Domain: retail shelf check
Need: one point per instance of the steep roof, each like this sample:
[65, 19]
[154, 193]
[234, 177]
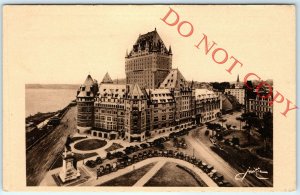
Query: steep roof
[135, 91]
[88, 81]
[204, 94]
[174, 80]
[150, 40]
[112, 90]
[160, 95]
[106, 79]
[86, 89]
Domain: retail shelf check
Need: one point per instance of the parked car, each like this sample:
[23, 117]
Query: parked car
[143, 145]
[98, 160]
[203, 165]
[135, 158]
[145, 154]
[160, 153]
[165, 153]
[100, 171]
[192, 159]
[91, 163]
[150, 153]
[170, 153]
[107, 169]
[212, 173]
[208, 168]
[140, 156]
[121, 164]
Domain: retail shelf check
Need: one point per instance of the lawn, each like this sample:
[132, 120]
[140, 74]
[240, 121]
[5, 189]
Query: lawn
[90, 144]
[131, 178]
[171, 175]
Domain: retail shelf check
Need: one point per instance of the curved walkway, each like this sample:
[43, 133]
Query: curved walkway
[145, 178]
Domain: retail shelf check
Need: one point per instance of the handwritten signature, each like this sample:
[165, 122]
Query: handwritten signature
[254, 171]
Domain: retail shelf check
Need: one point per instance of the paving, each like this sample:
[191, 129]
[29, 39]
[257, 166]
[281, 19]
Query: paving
[42, 155]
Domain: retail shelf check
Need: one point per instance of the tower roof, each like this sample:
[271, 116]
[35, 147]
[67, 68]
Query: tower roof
[150, 40]
[174, 80]
[106, 79]
[88, 81]
[87, 89]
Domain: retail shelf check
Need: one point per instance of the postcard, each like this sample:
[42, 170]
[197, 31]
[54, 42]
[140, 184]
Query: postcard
[149, 98]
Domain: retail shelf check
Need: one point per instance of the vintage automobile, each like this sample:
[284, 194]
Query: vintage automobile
[186, 157]
[144, 145]
[181, 155]
[203, 165]
[145, 154]
[140, 156]
[100, 171]
[98, 160]
[91, 163]
[135, 158]
[165, 153]
[192, 159]
[129, 161]
[208, 168]
[212, 173]
[150, 153]
[120, 164]
[170, 153]
[218, 178]
[198, 163]
[107, 168]
[160, 153]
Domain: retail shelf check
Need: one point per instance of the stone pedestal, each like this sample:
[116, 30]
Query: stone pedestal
[68, 171]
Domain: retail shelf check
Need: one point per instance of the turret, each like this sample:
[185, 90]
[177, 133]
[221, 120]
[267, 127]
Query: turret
[85, 104]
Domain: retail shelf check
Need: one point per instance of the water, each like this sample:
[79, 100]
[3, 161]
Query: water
[47, 100]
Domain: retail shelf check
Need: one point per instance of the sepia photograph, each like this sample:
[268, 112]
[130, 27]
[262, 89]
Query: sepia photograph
[152, 95]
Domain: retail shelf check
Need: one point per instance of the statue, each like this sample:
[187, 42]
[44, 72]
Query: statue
[68, 142]
[69, 169]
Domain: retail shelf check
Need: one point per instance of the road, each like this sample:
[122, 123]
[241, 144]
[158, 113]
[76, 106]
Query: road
[203, 152]
[42, 155]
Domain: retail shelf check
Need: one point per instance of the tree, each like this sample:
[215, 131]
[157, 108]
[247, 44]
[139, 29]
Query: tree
[251, 120]
[266, 130]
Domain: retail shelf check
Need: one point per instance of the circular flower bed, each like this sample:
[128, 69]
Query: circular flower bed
[90, 144]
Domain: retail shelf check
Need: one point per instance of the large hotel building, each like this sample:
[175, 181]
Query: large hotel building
[155, 99]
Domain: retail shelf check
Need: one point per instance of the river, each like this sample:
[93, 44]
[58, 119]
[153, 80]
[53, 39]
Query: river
[47, 100]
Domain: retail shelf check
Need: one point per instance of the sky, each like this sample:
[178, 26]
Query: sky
[63, 44]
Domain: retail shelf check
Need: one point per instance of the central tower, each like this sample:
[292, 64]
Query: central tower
[149, 61]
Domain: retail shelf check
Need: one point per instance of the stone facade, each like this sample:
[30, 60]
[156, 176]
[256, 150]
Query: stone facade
[260, 105]
[149, 61]
[156, 98]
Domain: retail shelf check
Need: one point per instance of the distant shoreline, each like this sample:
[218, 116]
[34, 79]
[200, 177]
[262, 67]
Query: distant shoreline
[52, 86]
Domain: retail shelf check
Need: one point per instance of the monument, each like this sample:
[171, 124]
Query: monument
[69, 169]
